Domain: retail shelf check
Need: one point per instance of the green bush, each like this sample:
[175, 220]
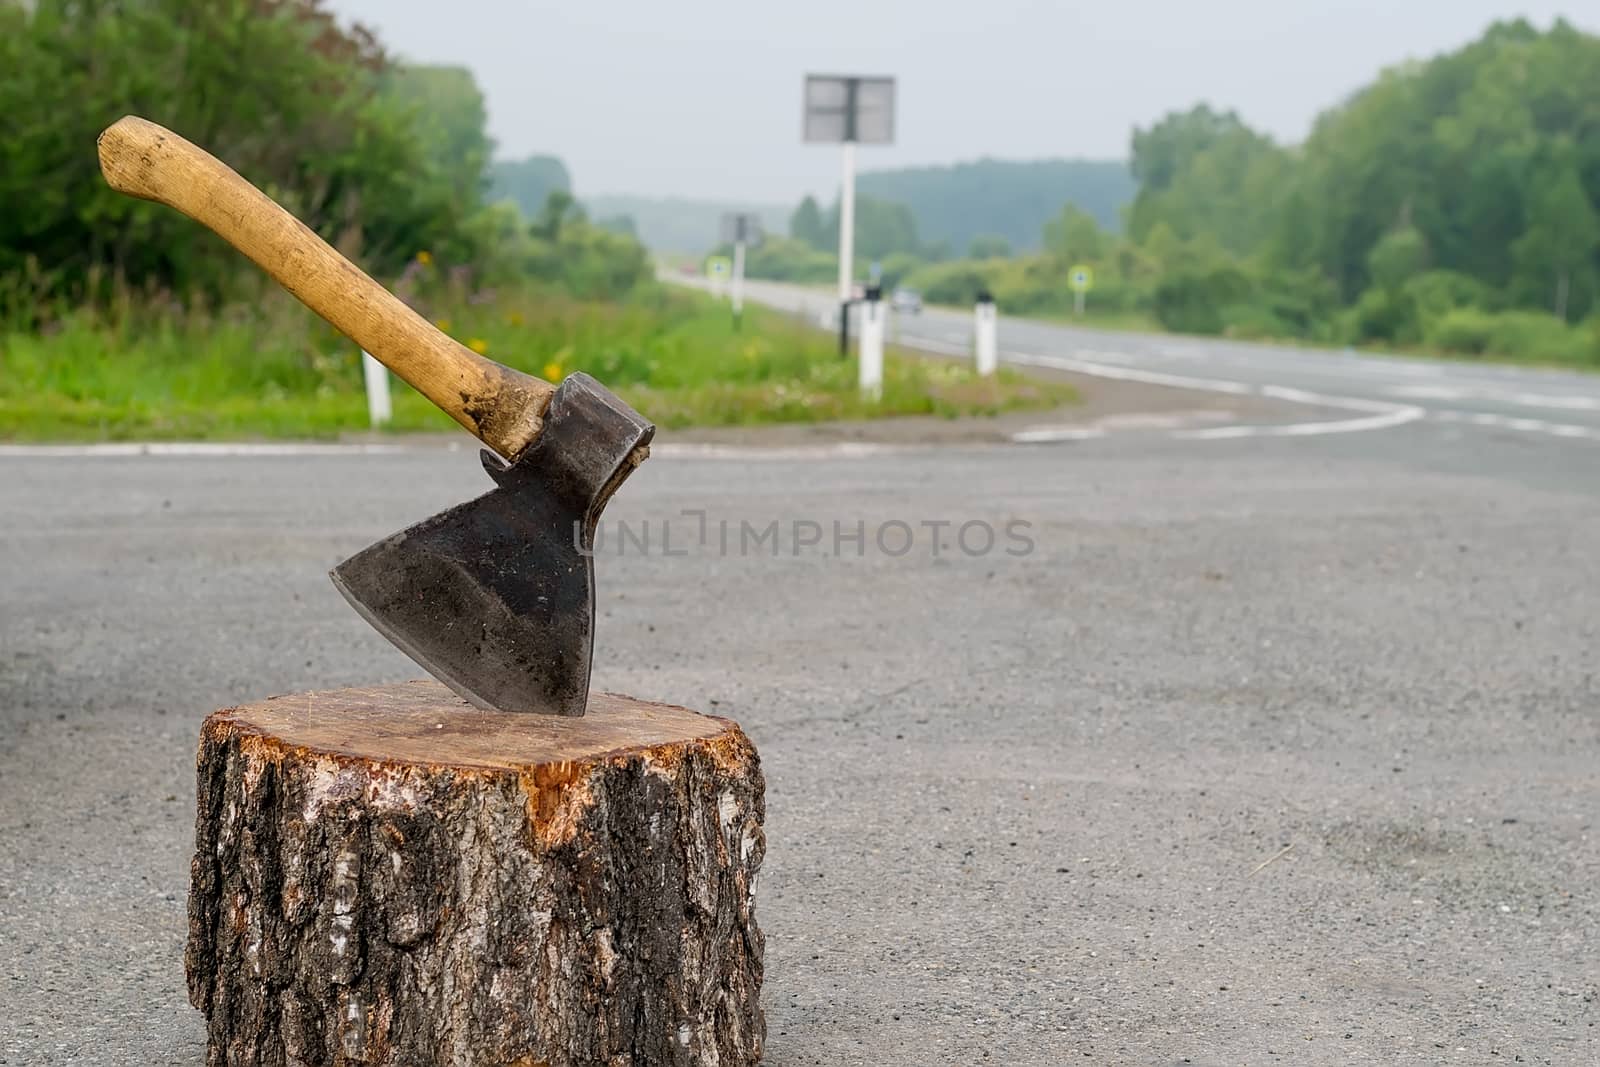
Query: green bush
[1439, 292]
[1191, 300]
[897, 267]
[957, 282]
[1537, 335]
[1466, 330]
[1387, 315]
[1253, 322]
[783, 259]
[1522, 335]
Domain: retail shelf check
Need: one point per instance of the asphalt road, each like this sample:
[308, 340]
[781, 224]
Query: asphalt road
[1383, 389]
[1270, 748]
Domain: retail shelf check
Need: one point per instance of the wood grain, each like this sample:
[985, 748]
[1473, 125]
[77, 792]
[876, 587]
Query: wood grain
[424, 723]
[502, 407]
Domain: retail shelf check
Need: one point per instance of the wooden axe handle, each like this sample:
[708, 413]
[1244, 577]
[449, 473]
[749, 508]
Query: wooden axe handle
[502, 407]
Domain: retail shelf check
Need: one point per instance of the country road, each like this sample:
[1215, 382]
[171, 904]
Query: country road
[1266, 746]
[1545, 406]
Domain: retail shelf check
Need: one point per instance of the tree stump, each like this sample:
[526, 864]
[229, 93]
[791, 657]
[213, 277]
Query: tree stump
[390, 876]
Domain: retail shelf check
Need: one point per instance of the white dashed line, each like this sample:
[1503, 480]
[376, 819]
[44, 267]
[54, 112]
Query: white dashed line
[1507, 422]
[1048, 435]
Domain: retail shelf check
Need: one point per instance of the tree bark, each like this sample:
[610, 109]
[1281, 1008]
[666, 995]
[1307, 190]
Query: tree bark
[388, 876]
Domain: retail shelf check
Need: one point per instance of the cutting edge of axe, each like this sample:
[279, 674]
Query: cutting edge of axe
[495, 597]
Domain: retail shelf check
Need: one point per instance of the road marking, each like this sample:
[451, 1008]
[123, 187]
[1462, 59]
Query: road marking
[1099, 369]
[1383, 414]
[1428, 392]
[112, 450]
[832, 450]
[1507, 422]
[246, 449]
[1560, 401]
[1049, 435]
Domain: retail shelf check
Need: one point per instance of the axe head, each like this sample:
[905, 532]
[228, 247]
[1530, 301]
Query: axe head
[495, 597]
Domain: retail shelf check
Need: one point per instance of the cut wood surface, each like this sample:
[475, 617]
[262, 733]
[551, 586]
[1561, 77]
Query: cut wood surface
[390, 876]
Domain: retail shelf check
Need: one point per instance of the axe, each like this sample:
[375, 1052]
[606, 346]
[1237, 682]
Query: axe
[494, 597]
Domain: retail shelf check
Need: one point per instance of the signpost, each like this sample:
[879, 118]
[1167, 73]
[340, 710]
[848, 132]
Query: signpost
[739, 229]
[1081, 278]
[848, 110]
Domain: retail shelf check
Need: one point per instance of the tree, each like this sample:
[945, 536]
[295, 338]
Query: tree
[1562, 237]
[806, 225]
[1074, 237]
[276, 88]
[988, 246]
[1203, 171]
[529, 182]
[1007, 198]
[560, 210]
[1399, 256]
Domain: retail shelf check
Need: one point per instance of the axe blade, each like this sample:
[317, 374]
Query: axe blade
[495, 597]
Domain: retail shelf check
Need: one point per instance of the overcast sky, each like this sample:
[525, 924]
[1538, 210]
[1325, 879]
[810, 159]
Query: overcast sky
[702, 99]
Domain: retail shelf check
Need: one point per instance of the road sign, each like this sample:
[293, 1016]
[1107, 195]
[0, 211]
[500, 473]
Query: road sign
[849, 109]
[741, 227]
[1081, 279]
[719, 268]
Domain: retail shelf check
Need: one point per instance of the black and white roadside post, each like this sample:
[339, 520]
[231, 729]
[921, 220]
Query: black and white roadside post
[873, 315]
[376, 376]
[985, 345]
[741, 230]
[848, 110]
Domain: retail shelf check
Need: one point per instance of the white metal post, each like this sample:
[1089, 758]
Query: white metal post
[872, 316]
[736, 290]
[985, 344]
[847, 222]
[379, 409]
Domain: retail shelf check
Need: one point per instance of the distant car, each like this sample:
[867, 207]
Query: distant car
[906, 300]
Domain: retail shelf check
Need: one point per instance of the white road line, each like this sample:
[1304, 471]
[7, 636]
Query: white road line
[1302, 429]
[1384, 414]
[1428, 392]
[833, 450]
[1049, 435]
[218, 449]
[111, 450]
[1559, 401]
[1507, 422]
[1130, 374]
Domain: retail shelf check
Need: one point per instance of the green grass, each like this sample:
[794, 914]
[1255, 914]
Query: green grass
[147, 371]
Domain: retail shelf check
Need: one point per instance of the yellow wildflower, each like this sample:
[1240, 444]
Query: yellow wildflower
[443, 324]
[424, 257]
[552, 371]
[515, 318]
[478, 345]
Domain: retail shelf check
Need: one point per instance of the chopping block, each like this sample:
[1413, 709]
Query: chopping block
[390, 876]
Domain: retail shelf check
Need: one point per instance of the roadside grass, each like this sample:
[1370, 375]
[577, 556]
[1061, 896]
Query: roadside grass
[150, 369]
